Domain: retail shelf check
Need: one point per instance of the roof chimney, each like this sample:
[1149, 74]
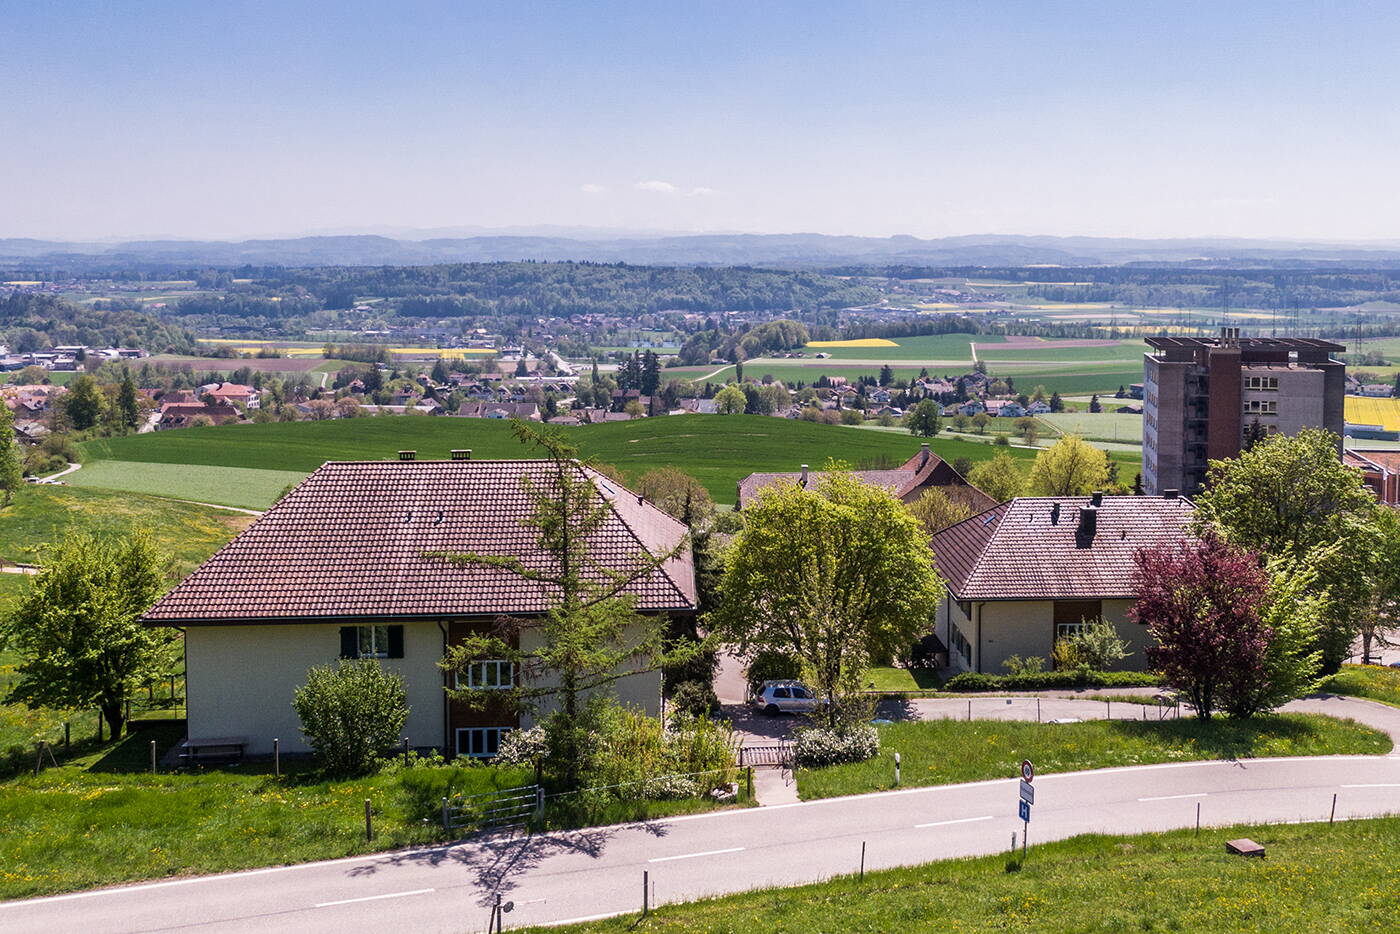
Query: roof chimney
[1055, 514]
[1088, 519]
[408, 455]
[804, 476]
[1097, 498]
[923, 454]
[461, 454]
[1170, 494]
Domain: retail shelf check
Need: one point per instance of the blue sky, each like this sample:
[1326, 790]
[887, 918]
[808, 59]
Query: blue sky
[1128, 118]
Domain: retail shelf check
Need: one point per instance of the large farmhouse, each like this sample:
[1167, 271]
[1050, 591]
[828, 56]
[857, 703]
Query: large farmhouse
[339, 568]
[1032, 570]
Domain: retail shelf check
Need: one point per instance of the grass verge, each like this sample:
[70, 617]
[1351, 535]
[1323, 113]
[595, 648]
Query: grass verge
[1372, 682]
[1316, 878]
[942, 752]
[243, 487]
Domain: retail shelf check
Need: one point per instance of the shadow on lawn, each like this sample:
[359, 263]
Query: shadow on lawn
[497, 863]
[1222, 738]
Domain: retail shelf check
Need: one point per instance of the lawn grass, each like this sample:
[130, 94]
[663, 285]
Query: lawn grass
[716, 450]
[1317, 878]
[101, 818]
[901, 680]
[41, 514]
[942, 752]
[244, 487]
[1372, 682]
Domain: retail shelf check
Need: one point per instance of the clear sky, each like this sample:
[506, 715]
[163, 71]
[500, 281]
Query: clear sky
[933, 118]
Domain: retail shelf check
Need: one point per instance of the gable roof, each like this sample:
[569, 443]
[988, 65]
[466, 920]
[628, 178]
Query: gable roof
[349, 541]
[1017, 551]
[924, 469]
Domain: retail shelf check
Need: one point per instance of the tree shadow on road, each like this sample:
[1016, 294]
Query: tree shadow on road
[496, 864]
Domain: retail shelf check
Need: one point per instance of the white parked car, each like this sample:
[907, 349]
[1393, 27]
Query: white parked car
[776, 697]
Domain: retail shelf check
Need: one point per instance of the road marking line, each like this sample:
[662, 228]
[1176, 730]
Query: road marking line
[945, 823]
[585, 918]
[1377, 785]
[667, 859]
[375, 898]
[1175, 797]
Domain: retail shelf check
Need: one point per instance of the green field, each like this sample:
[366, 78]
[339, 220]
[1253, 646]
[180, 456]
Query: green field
[1103, 426]
[1317, 878]
[62, 378]
[926, 347]
[1050, 352]
[944, 752]
[42, 514]
[716, 450]
[1070, 378]
[227, 486]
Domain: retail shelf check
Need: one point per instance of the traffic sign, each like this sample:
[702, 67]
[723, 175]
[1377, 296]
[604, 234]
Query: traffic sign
[1025, 811]
[1027, 792]
[1027, 771]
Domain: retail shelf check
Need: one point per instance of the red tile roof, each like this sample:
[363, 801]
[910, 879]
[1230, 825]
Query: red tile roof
[1017, 551]
[923, 470]
[349, 541]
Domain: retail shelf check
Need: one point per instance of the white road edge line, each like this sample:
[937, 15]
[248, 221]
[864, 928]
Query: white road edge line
[1202, 794]
[375, 898]
[945, 823]
[1377, 785]
[585, 918]
[667, 859]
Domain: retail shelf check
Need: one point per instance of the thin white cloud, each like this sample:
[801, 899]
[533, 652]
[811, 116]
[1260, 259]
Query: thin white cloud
[592, 189]
[661, 188]
[701, 192]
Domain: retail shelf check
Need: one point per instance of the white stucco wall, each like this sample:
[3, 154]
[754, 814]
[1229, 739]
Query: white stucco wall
[241, 680]
[1026, 627]
[641, 691]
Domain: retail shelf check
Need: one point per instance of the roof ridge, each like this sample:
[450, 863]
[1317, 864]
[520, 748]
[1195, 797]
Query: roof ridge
[592, 475]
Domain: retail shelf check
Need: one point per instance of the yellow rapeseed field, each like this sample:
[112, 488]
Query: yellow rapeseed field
[862, 342]
[1361, 410]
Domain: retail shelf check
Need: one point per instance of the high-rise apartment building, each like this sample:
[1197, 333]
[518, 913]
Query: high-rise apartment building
[1203, 396]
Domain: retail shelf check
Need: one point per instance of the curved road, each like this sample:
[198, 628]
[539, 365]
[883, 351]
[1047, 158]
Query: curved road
[591, 873]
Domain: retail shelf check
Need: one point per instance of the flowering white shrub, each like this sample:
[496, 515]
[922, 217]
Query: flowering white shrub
[854, 743]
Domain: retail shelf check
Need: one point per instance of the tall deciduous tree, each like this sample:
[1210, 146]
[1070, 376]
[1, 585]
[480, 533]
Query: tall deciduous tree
[924, 420]
[999, 477]
[11, 469]
[837, 577]
[1069, 467]
[679, 494]
[592, 637]
[936, 511]
[731, 400]
[83, 403]
[77, 630]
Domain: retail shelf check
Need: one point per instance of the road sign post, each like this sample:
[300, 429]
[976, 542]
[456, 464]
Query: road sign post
[1026, 798]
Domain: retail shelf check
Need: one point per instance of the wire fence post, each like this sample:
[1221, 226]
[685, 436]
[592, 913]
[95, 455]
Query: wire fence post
[896, 769]
[1332, 819]
[405, 752]
[862, 859]
[369, 824]
[1110, 710]
[748, 780]
[1198, 817]
[646, 901]
[969, 710]
[1037, 710]
[153, 757]
[446, 822]
[276, 757]
[65, 735]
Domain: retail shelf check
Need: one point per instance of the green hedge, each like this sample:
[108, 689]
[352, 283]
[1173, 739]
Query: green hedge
[1043, 680]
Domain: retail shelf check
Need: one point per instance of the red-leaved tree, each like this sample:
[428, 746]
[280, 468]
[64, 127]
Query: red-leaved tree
[1202, 601]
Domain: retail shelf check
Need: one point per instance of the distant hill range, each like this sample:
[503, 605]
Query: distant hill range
[774, 250]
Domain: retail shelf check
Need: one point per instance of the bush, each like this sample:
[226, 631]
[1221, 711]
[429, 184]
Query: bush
[1097, 647]
[772, 666]
[351, 713]
[971, 682]
[853, 743]
[1030, 665]
[694, 699]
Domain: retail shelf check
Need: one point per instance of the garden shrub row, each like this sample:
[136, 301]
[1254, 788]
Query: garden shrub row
[970, 681]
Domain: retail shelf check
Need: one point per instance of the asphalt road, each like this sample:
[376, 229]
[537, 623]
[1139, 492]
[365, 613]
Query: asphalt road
[586, 874]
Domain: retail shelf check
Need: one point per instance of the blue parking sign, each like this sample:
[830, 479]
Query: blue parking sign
[1025, 810]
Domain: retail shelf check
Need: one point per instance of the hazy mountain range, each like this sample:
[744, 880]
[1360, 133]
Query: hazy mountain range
[660, 248]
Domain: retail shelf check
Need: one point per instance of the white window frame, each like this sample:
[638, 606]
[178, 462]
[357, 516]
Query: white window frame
[378, 641]
[485, 749]
[1261, 407]
[1068, 630]
[495, 666]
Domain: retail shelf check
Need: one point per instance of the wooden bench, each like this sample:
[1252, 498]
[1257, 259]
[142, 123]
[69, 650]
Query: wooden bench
[213, 750]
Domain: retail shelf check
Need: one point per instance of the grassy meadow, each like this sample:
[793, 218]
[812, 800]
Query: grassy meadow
[1103, 426]
[243, 487]
[717, 450]
[1317, 878]
[945, 752]
[1373, 682]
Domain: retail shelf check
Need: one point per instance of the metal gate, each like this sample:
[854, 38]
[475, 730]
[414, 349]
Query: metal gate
[778, 755]
[492, 810]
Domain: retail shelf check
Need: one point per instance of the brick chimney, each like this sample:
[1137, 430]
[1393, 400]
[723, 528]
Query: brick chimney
[1088, 520]
[923, 455]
